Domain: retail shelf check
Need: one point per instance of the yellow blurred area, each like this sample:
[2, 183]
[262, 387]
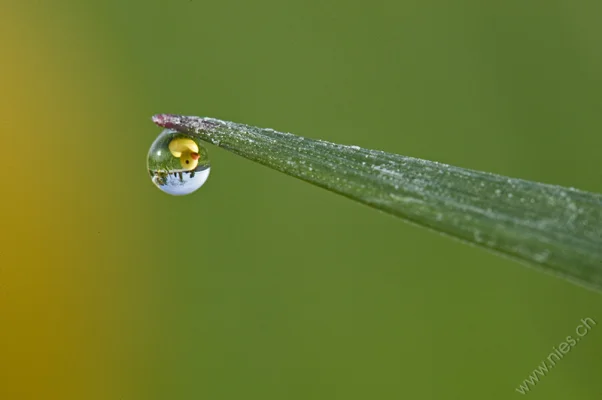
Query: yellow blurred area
[58, 329]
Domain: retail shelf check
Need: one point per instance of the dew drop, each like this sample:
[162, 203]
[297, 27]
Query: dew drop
[178, 164]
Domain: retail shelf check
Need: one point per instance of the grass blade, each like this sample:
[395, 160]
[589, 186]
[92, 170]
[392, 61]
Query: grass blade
[556, 229]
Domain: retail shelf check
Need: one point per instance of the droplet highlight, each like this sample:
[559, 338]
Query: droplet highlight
[178, 164]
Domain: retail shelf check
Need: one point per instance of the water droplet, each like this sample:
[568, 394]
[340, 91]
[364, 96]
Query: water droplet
[178, 164]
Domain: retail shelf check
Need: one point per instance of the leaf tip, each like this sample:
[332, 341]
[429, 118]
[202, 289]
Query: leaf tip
[164, 120]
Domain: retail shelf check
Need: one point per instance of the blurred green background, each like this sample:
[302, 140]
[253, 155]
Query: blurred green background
[260, 286]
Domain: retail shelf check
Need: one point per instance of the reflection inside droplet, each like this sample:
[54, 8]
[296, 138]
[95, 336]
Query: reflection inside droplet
[178, 164]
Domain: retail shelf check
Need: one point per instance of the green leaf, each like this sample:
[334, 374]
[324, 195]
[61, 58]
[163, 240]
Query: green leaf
[556, 229]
